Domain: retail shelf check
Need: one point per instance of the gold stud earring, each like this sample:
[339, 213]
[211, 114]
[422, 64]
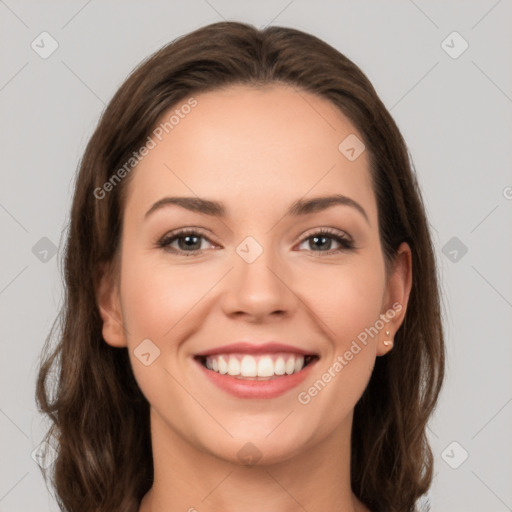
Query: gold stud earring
[388, 343]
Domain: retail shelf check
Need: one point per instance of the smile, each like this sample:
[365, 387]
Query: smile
[261, 367]
[247, 370]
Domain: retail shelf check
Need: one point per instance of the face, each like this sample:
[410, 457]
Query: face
[287, 300]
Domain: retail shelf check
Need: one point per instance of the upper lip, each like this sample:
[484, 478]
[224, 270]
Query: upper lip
[245, 347]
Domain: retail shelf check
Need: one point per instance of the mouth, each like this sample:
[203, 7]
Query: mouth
[256, 371]
[256, 367]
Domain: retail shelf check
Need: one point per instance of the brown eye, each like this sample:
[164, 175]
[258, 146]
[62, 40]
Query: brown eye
[323, 240]
[188, 242]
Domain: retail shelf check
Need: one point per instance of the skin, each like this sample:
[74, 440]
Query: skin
[257, 151]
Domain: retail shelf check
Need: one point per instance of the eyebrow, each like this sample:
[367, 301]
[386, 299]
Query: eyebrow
[297, 208]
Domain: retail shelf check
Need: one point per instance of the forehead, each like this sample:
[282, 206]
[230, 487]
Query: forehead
[257, 146]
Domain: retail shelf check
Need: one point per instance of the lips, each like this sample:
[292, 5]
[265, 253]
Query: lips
[253, 348]
[249, 370]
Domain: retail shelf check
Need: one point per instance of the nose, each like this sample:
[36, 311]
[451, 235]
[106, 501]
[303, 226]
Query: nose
[259, 289]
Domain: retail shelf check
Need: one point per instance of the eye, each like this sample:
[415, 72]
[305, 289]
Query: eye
[323, 239]
[189, 242]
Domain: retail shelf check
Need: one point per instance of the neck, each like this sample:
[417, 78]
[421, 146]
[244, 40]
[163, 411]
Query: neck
[187, 479]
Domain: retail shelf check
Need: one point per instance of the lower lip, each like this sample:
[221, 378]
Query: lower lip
[247, 388]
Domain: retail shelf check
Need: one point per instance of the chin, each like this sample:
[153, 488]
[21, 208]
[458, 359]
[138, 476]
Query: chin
[258, 447]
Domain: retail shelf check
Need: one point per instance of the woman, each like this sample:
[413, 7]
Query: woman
[252, 316]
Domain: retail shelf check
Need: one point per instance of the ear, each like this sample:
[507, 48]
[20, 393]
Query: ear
[109, 304]
[396, 298]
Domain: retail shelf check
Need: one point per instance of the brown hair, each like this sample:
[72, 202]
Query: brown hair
[100, 418]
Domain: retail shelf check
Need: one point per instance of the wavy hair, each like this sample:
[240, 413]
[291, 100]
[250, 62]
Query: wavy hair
[99, 417]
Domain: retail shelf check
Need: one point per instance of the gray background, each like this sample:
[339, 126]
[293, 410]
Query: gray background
[455, 114]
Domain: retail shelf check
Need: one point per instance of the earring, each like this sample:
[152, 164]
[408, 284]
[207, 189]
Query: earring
[388, 343]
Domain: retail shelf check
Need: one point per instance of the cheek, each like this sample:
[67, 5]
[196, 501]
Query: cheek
[349, 298]
[158, 300]
[348, 302]
[158, 294]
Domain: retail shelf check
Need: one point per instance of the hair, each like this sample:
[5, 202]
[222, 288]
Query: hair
[99, 416]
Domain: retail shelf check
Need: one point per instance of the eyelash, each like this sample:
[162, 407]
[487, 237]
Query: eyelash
[164, 243]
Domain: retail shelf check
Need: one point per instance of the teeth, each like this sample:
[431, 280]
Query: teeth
[223, 366]
[290, 366]
[248, 367]
[245, 365]
[279, 366]
[233, 366]
[265, 367]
